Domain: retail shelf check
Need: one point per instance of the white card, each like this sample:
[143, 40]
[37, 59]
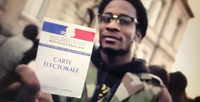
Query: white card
[63, 57]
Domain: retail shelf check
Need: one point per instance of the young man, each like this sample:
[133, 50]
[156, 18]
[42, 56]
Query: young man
[114, 75]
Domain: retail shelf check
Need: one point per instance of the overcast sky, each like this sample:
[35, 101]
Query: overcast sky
[188, 56]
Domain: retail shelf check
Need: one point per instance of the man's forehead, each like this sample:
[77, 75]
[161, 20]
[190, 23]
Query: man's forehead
[120, 7]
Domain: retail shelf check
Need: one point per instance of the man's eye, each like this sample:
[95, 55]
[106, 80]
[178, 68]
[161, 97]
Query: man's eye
[106, 19]
[124, 21]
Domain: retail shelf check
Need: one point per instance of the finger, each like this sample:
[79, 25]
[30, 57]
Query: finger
[45, 97]
[8, 79]
[24, 96]
[37, 95]
[14, 86]
[28, 79]
[10, 92]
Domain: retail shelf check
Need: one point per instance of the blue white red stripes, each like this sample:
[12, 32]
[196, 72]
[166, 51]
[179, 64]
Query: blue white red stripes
[62, 30]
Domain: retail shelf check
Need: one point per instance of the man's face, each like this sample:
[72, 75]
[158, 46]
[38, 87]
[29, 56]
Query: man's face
[116, 35]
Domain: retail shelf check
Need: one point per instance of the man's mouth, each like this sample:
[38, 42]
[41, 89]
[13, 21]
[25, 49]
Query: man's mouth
[111, 38]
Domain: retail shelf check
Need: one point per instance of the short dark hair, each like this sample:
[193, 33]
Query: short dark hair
[30, 31]
[177, 83]
[197, 99]
[141, 14]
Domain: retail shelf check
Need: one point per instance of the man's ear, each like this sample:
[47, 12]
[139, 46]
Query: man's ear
[138, 36]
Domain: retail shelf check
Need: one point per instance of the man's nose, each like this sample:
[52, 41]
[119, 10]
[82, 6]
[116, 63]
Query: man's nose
[113, 26]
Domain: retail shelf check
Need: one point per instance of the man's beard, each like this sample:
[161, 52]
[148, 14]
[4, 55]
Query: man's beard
[113, 52]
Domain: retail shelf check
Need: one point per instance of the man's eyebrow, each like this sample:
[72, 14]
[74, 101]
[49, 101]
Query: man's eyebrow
[126, 15]
[121, 14]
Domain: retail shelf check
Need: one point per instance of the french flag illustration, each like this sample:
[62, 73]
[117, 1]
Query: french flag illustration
[68, 31]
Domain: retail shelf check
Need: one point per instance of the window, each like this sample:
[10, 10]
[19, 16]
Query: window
[157, 8]
[176, 31]
[87, 17]
[147, 3]
[165, 62]
[34, 9]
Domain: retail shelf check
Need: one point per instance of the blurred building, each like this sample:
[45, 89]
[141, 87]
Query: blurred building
[167, 22]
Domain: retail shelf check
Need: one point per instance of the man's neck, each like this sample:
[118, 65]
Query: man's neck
[112, 61]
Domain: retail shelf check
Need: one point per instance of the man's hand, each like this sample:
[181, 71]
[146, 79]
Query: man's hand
[21, 85]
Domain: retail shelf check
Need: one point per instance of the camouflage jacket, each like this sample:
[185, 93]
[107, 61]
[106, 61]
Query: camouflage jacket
[133, 88]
